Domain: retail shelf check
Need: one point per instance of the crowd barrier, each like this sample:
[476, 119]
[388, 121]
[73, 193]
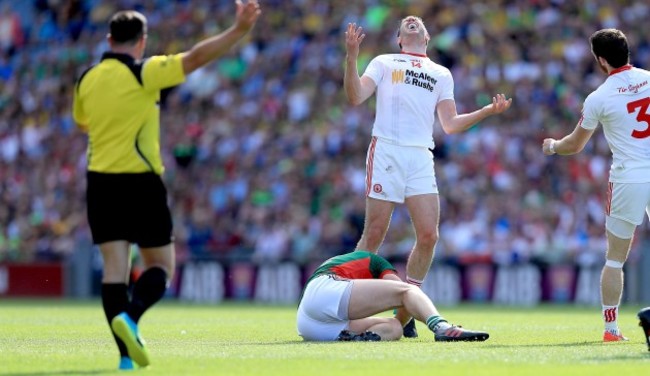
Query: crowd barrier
[524, 284]
[520, 285]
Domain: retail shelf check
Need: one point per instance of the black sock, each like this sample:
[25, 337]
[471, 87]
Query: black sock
[115, 299]
[149, 289]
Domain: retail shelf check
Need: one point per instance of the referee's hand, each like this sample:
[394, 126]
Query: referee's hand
[247, 14]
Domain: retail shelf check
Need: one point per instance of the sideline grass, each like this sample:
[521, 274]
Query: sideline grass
[71, 338]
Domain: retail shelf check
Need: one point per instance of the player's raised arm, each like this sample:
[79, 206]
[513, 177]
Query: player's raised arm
[452, 122]
[357, 89]
[209, 49]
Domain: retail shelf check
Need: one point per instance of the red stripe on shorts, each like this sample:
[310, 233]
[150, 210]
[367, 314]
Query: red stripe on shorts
[369, 163]
[608, 204]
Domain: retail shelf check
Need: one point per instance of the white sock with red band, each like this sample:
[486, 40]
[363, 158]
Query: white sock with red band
[413, 281]
[610, 316]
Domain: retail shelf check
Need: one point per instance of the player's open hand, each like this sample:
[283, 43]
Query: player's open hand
[500, 104]
[247, 14]
[353, 38]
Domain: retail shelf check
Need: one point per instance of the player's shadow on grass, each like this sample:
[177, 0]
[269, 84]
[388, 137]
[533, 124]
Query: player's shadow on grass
[563, 344]
[300, 342]
[65, 372]
[618, 358]
[275, 343]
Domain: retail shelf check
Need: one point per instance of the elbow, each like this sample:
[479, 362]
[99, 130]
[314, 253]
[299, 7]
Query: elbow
[449, 126]
[450, 130]
[354, 101]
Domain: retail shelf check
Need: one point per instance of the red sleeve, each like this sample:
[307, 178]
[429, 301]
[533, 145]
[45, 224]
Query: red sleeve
[387, 271]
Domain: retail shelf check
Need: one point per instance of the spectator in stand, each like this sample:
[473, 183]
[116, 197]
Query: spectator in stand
[241, 106]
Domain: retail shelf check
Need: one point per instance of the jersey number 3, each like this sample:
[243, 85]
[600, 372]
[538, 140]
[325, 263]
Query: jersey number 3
[643, 116]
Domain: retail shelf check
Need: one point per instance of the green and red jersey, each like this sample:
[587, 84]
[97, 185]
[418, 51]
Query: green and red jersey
[355, 265]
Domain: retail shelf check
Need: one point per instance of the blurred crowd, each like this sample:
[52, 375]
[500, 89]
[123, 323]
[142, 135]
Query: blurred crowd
[265, 160]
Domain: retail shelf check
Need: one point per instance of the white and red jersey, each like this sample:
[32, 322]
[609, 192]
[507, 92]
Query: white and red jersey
[409, 87]
[622, 105]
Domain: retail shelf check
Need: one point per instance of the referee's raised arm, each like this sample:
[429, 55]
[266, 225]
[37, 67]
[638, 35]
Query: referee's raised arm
[209, 49]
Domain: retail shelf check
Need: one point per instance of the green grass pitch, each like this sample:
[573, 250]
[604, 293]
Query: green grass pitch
[51, 337]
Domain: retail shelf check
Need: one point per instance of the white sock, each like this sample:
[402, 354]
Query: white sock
[413, 281]
[610, 316]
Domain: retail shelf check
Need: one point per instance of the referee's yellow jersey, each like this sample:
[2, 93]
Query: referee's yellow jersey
[117, 103]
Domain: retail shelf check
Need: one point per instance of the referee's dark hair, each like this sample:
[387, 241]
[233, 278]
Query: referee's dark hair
[127, 27]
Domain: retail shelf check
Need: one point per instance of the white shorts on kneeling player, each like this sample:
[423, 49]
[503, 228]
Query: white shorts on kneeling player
[323, 310]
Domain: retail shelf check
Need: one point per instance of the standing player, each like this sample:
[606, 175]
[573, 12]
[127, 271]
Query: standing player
[346, 290]
[116, 102]
[411, 89]
[622, 105]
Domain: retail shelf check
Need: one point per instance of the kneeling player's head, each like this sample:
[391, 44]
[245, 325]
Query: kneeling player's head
[610, 45]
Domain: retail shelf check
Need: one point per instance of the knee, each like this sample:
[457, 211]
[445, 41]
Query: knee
[428, 238]
[160, 257]
[375, 232]
[408, 290]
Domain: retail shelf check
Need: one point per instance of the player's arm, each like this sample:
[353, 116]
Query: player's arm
[571, 144]
[452, 122]
[209, 49]
[575, 141]
[357, 89]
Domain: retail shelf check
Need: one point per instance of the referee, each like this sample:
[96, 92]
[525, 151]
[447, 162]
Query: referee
[117, 103]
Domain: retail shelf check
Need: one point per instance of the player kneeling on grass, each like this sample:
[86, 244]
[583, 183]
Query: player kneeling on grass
[346, 290]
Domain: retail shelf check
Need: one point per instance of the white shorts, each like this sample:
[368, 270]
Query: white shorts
[395, 172]
[628, 201]
[323, 310]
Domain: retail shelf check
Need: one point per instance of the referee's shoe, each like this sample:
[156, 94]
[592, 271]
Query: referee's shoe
[127, 330]
[644, 322]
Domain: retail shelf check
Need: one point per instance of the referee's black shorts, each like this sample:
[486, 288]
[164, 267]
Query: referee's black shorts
[131, 207]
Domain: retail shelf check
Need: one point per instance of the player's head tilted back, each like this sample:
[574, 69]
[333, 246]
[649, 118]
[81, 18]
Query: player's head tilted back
[128, 29]
[611, 46]
[412, 32]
